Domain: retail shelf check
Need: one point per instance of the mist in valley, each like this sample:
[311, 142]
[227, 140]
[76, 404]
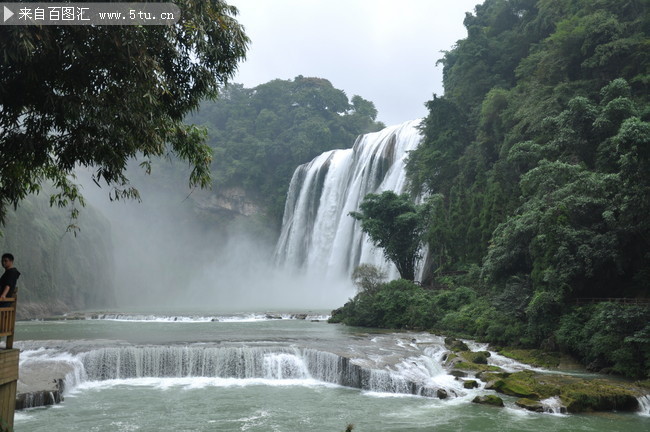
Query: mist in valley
[168, 257]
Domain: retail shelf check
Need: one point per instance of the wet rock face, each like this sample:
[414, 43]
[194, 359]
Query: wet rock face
[41, 398]
[232, 200]
[41, 383]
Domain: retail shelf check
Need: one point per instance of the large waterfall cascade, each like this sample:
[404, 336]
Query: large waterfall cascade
[318, 235]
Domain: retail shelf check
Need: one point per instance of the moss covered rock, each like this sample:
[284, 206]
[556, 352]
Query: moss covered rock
[488, 400]
[520, 384]
[530, 404]
[533, 357]
[577, 394]
[474, 361]
[455, 345]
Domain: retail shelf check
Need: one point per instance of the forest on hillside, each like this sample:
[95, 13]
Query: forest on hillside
[260, 135]
[537, 163]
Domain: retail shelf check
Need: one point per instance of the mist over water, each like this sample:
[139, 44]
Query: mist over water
[166, 258]
[175, 250]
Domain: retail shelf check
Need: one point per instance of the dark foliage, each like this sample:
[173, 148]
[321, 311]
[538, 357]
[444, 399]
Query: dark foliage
[538, 162]
[98, 96]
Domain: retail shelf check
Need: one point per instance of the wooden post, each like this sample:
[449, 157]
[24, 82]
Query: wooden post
[8, 383]
[8, 365]
[8, 321]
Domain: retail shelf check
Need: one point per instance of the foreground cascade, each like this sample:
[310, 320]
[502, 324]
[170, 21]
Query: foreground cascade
[318, 235]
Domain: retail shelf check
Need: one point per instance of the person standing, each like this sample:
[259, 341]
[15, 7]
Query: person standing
[8, 279]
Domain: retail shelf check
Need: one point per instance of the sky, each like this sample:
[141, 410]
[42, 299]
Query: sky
[384, 51]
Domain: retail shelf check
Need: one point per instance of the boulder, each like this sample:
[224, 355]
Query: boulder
[456, 345]
[488, 400]
[458, 373]
[530, 404]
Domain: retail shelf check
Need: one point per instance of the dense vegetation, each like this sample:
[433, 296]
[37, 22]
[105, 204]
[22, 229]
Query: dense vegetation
[99, 96]
[260, 135]
[538, 155]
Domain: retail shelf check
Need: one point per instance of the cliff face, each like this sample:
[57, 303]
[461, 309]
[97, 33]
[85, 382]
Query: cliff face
[232, 201]
[60, 270]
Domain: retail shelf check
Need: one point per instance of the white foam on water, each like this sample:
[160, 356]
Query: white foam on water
[236, 318]
[553, 405]
[191, 383]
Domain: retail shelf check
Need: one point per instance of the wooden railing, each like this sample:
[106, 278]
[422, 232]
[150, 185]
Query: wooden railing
[621, 300]
[8, 320]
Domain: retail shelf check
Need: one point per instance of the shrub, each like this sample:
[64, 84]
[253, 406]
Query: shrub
[609, 335]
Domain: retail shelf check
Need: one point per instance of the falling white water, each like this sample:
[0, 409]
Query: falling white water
[553, 405]
[644, 405]
[318, 234]
[386, 372]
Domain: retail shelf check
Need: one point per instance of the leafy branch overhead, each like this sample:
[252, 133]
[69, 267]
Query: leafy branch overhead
[99, 96]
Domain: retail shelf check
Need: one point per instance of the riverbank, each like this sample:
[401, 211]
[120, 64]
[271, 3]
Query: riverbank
[544, 389]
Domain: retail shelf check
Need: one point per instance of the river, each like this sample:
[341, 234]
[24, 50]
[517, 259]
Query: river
[159, 371]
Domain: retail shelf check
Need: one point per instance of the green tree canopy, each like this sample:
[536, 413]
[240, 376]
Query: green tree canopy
[98, 96]
[395, 224]
[260, 135]
[537, 161]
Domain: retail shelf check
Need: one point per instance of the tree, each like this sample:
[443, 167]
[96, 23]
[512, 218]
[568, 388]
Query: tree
[368, 278]
[260, 135]
[99, 96]
[395, 224]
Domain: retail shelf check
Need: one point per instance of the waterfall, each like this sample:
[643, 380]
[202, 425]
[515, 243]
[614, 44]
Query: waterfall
[318, 235]
[413, 376]
[644, 405]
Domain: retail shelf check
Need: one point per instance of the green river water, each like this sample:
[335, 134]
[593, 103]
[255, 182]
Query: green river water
[283, 396]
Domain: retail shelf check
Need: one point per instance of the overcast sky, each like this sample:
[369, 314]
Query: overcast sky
[382, 50]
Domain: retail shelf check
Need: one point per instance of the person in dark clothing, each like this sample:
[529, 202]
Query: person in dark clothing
[8, 279]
